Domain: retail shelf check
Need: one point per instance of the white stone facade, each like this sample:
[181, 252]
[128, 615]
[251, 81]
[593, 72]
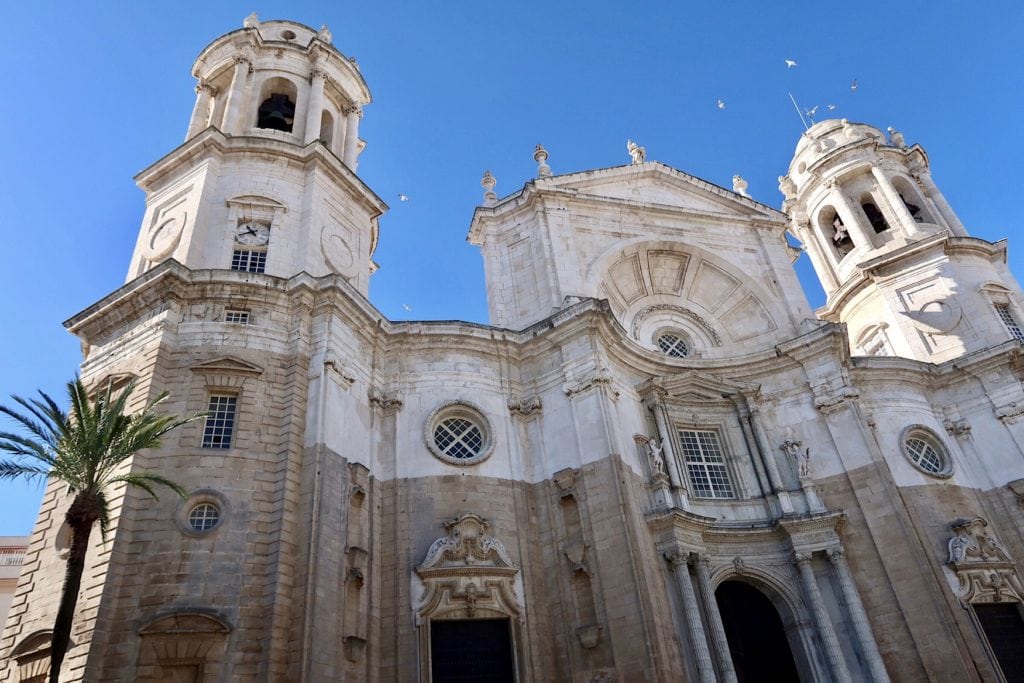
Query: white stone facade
[655, 420]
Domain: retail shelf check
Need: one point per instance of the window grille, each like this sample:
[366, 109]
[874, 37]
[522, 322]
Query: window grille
[220, 422]
[705, 465]
[459, 438]
[673, 345]
[237, 317]
[1011, 323]
[203, 517]
[249, 261]
[926, 457]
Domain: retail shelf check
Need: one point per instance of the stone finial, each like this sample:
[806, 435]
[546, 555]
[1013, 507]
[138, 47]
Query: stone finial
[325, 34]
[488, 182]
[637, 153]
[540, 155]
[848, 130]
[739, 185]
[787, 187]
[251, 21]
[896, 138]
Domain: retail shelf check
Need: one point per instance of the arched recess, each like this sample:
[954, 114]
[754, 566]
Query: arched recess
[186, 645]
[757, 611]
[276, 105]
[468, 577]
[32, 656]
[915, 203]
[653, 285]
[834, 233]
[873, 340]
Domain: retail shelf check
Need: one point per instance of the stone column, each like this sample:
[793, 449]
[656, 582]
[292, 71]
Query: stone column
[201, 112]
[675, 477]
[235, 106]
[815, 251]
[833, 653]
[852, 222]
[352, 116]
[315, 105]
[707, 594]
[705, 667]
[770, 465]
[945, 210]
[861, 625]
[895, 202]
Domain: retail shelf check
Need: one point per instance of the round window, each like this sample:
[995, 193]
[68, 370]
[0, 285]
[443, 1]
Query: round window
[673, 344]
[926, 452]
[203, 511]
[203, 517]
[458, 434]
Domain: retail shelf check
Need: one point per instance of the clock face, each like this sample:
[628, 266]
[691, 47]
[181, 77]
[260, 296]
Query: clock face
[253, 234]
[164, 237]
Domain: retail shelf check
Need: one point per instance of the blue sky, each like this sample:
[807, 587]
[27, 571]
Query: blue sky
[95, 94]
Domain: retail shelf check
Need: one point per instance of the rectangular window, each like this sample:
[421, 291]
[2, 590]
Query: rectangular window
[236, 316]
[1011, 323]
[705, 465]
[220, 422]
[249, 261]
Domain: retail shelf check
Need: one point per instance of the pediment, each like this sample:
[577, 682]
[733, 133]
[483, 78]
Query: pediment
[696, 386]
[229, 366]
[256, 201]
[656, 183]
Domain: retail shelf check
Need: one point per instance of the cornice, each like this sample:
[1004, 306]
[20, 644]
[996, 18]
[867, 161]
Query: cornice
[212, 143]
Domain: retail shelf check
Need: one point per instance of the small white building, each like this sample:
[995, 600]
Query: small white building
[657, 463]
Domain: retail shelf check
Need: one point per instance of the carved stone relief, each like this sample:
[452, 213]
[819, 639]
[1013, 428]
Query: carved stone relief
[986, 572]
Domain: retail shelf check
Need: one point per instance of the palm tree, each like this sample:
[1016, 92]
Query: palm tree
[84, 449]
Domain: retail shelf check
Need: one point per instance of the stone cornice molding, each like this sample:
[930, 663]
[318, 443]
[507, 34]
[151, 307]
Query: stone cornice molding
[212, 143]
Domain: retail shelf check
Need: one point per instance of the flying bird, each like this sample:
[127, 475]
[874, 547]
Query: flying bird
[831, 107]
[407, 307]
[853, 86]
[403, 197]
[812, 111]
[721, 104]
[790, 63]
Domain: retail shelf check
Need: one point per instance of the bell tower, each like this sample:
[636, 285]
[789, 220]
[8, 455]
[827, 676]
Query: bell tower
[897, 265]
[265, 181]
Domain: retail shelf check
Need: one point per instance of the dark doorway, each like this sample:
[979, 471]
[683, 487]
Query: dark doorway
[1004, 628]
[757, 640]
[471, 651]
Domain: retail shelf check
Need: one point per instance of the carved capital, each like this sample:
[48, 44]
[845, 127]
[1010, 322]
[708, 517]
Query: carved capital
[1010, 413]
[204, 86]
[317, 73]
[353, 109]
[385, 402]
[836, 555]
[802, 559]
[524, 407]
[677, 558]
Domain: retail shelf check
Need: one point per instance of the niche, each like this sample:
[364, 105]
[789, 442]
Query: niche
[911, 200]
[326, 128]
[834, 232]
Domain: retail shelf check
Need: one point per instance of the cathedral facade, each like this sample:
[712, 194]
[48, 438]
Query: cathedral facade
[656, 463]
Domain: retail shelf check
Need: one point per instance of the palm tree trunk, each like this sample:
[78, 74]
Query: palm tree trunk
[81, 529]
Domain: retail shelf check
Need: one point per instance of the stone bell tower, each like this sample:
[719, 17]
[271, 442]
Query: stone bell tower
[896, 263]
[266, 178]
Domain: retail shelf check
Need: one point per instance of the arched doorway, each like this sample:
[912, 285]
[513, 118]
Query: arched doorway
[757, 639]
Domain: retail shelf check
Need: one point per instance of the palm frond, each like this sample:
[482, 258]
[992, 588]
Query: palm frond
[19, 445]
[14, 470]
[146, 480]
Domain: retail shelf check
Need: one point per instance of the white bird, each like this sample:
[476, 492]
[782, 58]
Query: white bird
[853, 86]
[721, 104]
[403, 197]
[812, 111]
[407, 307]
[790, 63]
[831, 107]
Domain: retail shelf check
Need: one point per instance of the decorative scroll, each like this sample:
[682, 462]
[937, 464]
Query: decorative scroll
[986, 571]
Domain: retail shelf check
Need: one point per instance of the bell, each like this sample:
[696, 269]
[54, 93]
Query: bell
[276, 121]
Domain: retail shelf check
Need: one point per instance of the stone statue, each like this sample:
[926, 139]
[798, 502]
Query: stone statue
[787, 187]
[637, 153]
[896, 138]
[654, 450]
[841, 235]
[325, 34]
[803, 466]
[848, 130]
[739, 185]
[251, 21]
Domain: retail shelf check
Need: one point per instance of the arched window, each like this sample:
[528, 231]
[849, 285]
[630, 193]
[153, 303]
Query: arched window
[912, 200]
[834, 231]
[277, 105]
[875, 217]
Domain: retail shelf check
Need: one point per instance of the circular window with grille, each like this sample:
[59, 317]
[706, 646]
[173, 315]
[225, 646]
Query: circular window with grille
[926, 451]
[673, 343]
[459, 434]
[203, 517]
[202, 512]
